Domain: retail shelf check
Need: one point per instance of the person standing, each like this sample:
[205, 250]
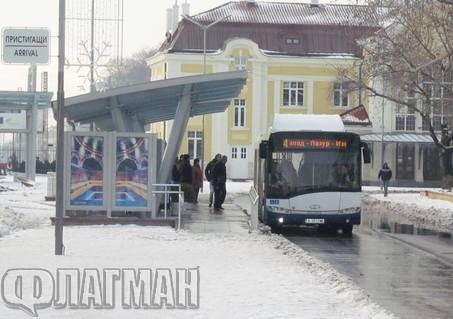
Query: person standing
[385, 174]
[219, 178]
[186, 178]
[197, 180]
[208, 172]
[175, 174]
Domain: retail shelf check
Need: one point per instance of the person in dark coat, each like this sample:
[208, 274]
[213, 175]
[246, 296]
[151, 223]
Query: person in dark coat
[208, 173]
[197, 180]
[175, 176]
[385, 174]
[186, 178]
[219, 179]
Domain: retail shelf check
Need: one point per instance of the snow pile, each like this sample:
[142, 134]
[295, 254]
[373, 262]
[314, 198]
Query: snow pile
[424, 212]
[23, 207]
[242, 276]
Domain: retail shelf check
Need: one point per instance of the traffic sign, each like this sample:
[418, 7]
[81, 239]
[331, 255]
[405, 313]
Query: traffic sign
[27, 46]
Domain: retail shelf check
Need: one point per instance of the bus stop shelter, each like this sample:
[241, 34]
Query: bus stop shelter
[30, 102]
[129, 109]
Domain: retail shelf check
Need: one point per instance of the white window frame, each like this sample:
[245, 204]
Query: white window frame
[243, 152]
[340, 88]
[439, 93]
[295, 92]
[239, 113]
[234, 152]
[197, 137]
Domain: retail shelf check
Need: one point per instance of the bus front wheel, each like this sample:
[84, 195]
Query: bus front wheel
[347, 230]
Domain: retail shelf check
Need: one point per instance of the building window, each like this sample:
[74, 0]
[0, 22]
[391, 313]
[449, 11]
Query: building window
[239, 112]
[293, 93]
[404, 118]
[292, 41]
[243, 153]
[195, 147]
[340, 94]
[240, 62]
[439, 87]
[234, 152]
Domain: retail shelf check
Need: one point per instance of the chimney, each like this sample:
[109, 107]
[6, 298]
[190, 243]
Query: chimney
[314, 4]
[175, 15]
[169, 19]
[185, 8]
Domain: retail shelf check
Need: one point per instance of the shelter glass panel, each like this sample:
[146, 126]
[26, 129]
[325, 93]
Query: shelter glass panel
[87, 171]
[131, 186]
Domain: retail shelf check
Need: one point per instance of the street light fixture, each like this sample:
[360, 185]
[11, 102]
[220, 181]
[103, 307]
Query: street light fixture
[205, 28]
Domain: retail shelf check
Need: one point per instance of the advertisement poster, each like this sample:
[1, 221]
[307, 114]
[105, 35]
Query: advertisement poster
[87, 171]
[131, 186]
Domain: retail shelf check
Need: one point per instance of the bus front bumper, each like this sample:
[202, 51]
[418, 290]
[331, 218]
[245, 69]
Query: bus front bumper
[277, 219]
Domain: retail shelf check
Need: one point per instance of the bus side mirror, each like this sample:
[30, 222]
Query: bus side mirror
[263, 149]
[366, 153]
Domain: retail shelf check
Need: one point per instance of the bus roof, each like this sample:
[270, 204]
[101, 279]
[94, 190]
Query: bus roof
[307, 122]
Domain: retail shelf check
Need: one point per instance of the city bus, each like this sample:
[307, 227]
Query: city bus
[309, 173]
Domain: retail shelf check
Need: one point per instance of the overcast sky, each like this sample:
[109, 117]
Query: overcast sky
[144, 27]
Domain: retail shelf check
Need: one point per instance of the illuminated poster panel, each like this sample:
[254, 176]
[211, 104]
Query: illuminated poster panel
[131, 183]
[87, 170]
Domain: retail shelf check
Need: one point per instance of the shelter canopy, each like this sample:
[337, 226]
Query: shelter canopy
[398, 138]
[157, 100]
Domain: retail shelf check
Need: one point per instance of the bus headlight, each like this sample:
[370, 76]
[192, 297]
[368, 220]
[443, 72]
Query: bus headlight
[351, 210]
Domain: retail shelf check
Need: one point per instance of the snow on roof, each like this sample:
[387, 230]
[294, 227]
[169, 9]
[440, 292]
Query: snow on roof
[307, 122]
[294, 13]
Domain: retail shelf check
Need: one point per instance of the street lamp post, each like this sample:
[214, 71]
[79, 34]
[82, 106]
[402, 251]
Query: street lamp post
[59, 205]
[205, 28]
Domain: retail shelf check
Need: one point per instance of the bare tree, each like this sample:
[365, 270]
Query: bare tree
[133, 70]
[412, 53]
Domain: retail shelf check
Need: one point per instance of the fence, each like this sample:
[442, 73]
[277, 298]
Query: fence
[167, 192]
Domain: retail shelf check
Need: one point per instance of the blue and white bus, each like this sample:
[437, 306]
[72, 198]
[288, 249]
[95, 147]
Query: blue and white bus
[310, 173]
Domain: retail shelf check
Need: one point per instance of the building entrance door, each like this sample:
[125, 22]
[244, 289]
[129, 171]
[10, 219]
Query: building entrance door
[431, 164]
[405, 154]
[239, 162]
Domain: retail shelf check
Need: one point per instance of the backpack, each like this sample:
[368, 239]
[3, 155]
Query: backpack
[208, 171]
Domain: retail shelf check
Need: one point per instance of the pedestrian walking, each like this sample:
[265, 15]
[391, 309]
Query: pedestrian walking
[385, 174]
[186, 178]
[208, 172]
[197, 180]
[219, 178]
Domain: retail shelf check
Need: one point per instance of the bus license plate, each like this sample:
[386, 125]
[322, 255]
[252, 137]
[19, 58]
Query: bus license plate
[314, 221]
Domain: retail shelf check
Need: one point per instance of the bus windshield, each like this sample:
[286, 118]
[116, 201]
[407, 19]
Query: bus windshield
[299, 172]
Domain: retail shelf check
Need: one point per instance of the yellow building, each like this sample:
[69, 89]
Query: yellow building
[294, 54]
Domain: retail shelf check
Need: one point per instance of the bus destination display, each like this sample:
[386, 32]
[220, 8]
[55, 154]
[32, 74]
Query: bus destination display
[314, 143]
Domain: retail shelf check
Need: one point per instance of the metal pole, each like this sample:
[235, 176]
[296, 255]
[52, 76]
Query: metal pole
[205, 30]
[383, 126]
[202, 119]
[59, 211]
[92, 86]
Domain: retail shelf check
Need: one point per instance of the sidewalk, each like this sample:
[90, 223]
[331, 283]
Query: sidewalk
[200, 218]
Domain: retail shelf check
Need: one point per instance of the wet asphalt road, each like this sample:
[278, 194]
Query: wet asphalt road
[410, 281]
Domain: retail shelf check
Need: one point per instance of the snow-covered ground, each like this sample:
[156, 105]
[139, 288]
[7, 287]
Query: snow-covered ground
[23, 207]
[241, 275]
[422, 211]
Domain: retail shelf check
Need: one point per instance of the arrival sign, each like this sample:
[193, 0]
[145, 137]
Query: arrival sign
[21, 45]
